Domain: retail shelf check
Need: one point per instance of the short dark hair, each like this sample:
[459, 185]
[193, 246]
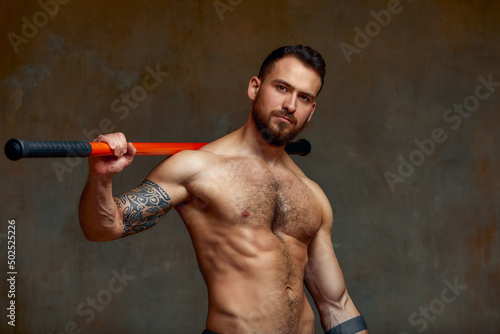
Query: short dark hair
[304, 54]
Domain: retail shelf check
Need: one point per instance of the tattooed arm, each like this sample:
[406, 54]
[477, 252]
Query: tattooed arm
[138, 209]
[143, 207]
[105, 217]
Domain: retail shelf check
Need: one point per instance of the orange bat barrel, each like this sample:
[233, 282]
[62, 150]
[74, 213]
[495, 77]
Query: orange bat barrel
[102, 149]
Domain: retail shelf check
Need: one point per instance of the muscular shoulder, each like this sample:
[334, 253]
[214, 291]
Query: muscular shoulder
[183, 166]
[322, 198]
[176, 173]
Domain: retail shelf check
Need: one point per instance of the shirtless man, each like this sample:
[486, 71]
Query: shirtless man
[260, 228]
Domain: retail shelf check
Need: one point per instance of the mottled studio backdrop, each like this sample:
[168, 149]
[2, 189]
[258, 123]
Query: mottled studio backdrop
[405, 144]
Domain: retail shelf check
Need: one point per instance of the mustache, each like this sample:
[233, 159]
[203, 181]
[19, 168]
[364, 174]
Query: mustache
[284, 113]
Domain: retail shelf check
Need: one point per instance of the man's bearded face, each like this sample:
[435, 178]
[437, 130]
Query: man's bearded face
[274, 131]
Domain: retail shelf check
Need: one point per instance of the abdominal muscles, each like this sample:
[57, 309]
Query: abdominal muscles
[255, 282]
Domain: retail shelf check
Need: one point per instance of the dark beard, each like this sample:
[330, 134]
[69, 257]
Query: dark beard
[285, 134]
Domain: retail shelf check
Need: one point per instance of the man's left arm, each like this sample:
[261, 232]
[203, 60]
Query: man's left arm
[326, 284]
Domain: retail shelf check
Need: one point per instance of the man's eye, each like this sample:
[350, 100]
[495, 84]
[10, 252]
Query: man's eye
[282, 88]
[304, 98]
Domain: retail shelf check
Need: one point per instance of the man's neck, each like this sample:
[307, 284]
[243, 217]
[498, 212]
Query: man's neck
[252, 143]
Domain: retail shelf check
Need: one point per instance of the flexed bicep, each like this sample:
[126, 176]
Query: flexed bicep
[142, 207]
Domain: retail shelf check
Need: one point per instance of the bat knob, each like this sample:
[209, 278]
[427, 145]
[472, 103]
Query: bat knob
[300, 147]
[14, 149]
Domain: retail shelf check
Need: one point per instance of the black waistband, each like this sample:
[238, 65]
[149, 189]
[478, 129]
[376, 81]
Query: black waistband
[206, 331]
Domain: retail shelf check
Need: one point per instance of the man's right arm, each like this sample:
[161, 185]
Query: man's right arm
[104, 217]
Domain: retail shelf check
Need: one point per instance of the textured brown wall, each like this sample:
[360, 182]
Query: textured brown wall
[401, 247]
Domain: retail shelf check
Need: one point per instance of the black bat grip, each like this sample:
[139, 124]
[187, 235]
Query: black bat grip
[16, 149]
[300, 147]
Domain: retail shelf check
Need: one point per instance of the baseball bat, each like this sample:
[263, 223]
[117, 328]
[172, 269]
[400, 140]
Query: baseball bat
[16, 149]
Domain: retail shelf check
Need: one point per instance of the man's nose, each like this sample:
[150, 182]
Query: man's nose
[290, 103]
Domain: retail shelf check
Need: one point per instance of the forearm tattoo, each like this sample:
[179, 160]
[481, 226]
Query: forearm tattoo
[143, 207]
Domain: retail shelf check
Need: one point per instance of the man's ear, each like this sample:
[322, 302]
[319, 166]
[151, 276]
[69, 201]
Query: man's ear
[253, 88]
[311, 112]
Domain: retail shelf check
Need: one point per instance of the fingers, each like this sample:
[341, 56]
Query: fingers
[123, 151]
[117, 142]
[131, 149]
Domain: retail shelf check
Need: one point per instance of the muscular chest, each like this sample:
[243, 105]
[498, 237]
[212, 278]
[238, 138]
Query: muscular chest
[257, 196]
